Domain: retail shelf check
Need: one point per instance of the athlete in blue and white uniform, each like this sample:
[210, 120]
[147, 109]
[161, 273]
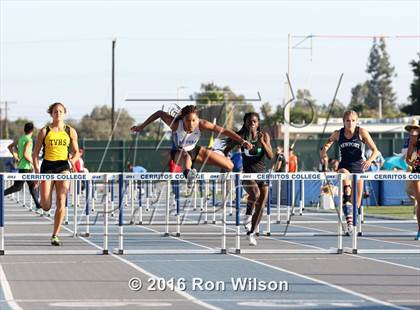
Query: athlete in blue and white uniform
[186, 130]
[351, 140]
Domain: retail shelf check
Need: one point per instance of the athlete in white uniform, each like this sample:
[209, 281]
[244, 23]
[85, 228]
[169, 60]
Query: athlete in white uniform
[186, 130]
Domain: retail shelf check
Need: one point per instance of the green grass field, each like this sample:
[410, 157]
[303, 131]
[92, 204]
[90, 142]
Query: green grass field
[397, 212]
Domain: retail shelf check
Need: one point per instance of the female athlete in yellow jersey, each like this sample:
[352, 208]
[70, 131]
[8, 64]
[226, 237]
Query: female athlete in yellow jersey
[56, 139]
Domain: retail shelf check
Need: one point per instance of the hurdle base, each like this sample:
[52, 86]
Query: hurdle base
[105, 252]
[340, 251]
[178, 235]
[223, 251]
[360, 233]
[237, 251]
[268, 233]
[66, 223]
[140, 223]
[354, 251]
[1, 252]
[120, 251]
[166, 234]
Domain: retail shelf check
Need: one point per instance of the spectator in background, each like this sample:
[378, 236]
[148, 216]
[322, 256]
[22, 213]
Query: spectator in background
[136, 169]
[413, 160]
[22, 154]
[10, 165]
[278, 165]
[293, 161]
[377, 163]
[79, 167]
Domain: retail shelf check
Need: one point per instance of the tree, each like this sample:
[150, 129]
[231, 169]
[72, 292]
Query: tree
[414, 107]
[358, 100]
[336, 110]
[16, 128]
[223, 104]
[303, 109]
[96, 125]
[380, 84]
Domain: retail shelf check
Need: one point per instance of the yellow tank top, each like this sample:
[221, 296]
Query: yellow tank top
[56, 144]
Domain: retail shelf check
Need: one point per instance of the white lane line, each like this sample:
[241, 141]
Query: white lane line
[187, 296]
[372, 299]
[366, 257]
[340, 288]
[7, 292]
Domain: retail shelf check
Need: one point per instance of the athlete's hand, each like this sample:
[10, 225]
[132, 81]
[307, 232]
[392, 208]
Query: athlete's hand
[136, 128]
[247, 145]
[366, 164]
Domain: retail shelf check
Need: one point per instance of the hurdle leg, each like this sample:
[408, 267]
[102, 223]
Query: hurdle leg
[112, 197]
[131, 182]
[302, 197]
[147, 196]
[1, 214]
[355, 214]
[214, 192]
[340, 215]
[195, 196]
[359, 222]
[268, 210]
[24, 195]
[178, 223]
[289, 203]
[278, 201]
[66, 215]
[223, 249]
[205, 202]
[93, 195]
[140, 221]
[167, 209]
[238, 206]
[105, 246]
[75, 209]
[120, 214]
[231, 183]
[87, 209]
[293, 198]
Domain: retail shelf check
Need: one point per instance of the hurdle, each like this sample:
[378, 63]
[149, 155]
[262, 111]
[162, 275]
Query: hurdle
[357, 223]
[168, 178]
[299, 176]
[50, 177]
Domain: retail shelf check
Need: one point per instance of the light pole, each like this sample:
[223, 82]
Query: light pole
[6, 125]
[113, 88]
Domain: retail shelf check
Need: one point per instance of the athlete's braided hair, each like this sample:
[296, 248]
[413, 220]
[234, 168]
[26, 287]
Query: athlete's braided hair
[188, 109]
[244, 132]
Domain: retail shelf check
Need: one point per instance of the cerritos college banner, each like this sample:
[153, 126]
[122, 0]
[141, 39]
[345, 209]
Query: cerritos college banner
[4, 152]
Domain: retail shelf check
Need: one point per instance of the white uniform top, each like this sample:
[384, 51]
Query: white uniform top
[183, 140]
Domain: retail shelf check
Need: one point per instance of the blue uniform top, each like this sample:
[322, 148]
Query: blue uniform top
[351, 150]
[139, 169]
[237, 161]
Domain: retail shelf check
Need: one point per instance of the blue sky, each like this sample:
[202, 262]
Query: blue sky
[61, 50]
